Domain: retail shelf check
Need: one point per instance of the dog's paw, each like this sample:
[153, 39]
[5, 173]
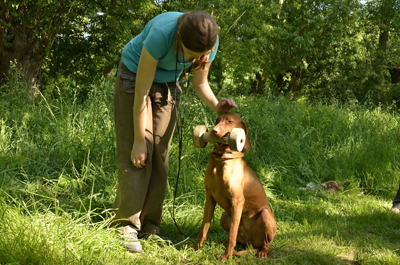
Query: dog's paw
[197, 245]
[224, 257]
[262, 254]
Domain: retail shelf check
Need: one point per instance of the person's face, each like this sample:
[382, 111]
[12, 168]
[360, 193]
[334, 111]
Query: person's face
[197, 55]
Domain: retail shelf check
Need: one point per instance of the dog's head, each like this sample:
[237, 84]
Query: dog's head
[226, 122]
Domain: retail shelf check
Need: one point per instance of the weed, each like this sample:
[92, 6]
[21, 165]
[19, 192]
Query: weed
[58, 179]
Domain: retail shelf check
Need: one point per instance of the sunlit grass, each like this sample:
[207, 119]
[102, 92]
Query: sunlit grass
[58, 181]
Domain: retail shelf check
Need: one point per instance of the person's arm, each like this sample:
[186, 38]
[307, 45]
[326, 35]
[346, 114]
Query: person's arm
[204, 92]
[144, 78]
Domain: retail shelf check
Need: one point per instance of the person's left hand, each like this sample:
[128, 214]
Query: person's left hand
[225, 105]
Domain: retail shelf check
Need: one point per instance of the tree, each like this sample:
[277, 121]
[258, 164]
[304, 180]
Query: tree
[323, 48]
[385, 14]
[90, 47]
[70, 38]
[27, 32]
[301, 44]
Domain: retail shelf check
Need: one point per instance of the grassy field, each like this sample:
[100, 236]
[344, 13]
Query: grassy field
[58, 181]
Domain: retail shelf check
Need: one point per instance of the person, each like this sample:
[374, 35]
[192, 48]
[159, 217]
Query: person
[396, 202]
[147, 96]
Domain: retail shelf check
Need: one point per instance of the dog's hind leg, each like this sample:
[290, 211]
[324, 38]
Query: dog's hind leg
[270, 229]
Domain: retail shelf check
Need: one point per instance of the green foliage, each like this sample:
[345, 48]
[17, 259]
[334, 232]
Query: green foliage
[302, 143]
[297, 46]
[28, 30]
[44, 133]
[313, 49]
[48, 238]
[57, 154]
[58, 181]
[90, 48]
[343, 51]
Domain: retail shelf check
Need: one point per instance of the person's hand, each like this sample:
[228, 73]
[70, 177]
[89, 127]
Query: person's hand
[139, 154]
[225, 105]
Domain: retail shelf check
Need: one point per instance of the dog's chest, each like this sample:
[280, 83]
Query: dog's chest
[219, 179]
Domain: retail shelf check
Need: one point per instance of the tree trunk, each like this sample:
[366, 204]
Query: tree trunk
[27, 32]
[258, 84]
[395, 75]
[26, 53]
[288, 86]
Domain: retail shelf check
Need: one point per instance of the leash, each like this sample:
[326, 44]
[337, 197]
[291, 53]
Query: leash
[180, 124]
[180, 133]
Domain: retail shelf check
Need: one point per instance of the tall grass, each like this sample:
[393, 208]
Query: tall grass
[58, 181]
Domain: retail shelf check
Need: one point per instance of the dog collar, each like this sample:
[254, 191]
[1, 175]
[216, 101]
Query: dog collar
[219, 154]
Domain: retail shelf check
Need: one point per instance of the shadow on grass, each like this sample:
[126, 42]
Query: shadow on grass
[339, 229]
[343, 230]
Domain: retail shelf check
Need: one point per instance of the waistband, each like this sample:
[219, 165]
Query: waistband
[128, 74]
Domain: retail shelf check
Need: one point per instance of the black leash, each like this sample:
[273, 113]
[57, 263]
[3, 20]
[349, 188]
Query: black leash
[180, 132]
[180, 124]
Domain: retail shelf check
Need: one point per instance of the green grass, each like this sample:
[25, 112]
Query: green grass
[58, 181]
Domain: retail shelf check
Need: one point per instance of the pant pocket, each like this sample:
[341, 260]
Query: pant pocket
[163, 95]
[128, 85]
[127, 78]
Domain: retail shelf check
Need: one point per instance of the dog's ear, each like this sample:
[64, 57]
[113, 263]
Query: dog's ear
[247, 143]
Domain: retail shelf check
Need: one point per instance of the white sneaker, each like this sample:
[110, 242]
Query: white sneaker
[130, 237]
[395, 210]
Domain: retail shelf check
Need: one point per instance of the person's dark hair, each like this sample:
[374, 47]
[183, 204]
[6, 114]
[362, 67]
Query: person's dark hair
[198, 32]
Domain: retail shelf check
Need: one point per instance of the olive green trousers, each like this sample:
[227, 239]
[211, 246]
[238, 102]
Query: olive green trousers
[141, 191]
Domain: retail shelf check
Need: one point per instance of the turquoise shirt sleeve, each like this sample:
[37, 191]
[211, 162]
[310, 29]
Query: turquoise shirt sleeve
[156, 43]
[158, 37]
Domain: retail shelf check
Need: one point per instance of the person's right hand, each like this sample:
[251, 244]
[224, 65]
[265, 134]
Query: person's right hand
[139, 154]
[224, 105]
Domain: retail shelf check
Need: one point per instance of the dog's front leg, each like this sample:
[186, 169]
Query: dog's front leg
[237, 208]
[209, 208]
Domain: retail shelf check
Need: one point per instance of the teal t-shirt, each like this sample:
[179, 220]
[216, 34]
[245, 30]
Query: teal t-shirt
[159, 39]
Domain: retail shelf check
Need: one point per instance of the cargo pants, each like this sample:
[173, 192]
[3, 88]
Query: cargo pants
[141, 191]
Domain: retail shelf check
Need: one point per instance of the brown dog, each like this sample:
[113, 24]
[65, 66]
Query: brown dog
[231, 183]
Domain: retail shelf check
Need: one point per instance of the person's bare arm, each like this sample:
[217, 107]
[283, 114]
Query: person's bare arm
[144, 78]
[204, 92]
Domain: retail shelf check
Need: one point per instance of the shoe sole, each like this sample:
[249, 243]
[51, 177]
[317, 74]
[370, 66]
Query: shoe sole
[134, 247]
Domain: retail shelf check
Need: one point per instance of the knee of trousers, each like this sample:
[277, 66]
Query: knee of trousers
[133, 180]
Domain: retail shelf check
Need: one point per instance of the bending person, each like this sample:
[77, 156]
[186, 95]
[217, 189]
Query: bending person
[147, 96]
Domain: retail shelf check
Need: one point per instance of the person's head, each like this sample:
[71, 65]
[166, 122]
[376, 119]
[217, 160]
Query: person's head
[197, 32]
